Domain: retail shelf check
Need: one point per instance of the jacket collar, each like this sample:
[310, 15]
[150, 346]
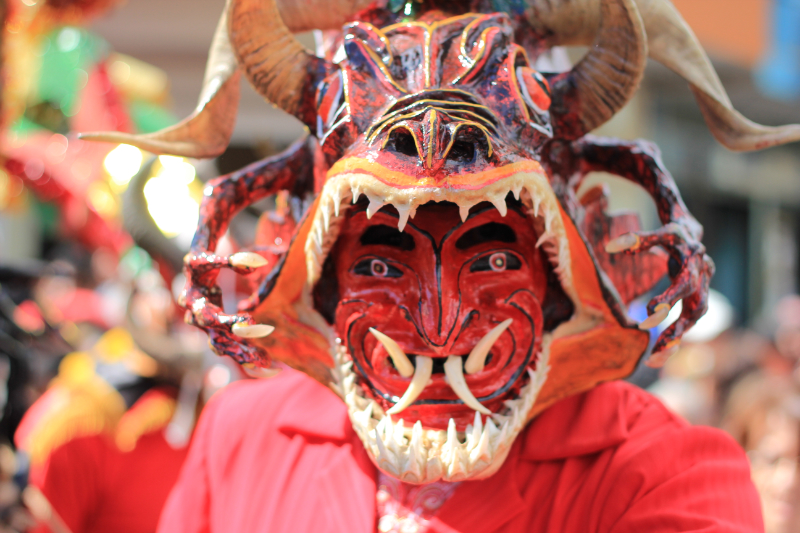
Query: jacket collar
[580, 425]
[314, 411]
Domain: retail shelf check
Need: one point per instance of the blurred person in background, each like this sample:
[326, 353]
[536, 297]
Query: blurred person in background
[762, 413]
[107, 439]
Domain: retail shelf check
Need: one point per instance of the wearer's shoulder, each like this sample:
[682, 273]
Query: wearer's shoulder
[246, 403]
[666, 469]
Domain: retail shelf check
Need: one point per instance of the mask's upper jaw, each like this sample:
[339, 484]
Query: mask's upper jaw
[596, 344]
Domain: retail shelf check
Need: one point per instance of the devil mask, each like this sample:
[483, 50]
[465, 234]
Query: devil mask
[446, 281]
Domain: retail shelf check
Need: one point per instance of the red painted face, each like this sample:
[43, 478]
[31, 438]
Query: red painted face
[437, 289]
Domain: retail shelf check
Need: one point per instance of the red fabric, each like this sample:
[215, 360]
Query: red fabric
[280, 456]
[96, 488]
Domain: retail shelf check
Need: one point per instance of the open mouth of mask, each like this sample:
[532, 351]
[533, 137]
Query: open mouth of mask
[442, 322]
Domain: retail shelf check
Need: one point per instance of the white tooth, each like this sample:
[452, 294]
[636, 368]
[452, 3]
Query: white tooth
[517, 189]
[326, 215]
[482, 451]
[388, 429]
[536, 203]
[543, 238]
[452, 435]
[478, 425]
[403, 211]
[349, 382]
[416, 453]
[417, 433]
[375, 204]
[505, 432]
[422, 375]
[492, 431]
[469, 438]
[347, 367]
[363, 417]
[317, 237]
[400, 359]
[434, 469]
[336, 196]
[399, 432]
[464, 212]
[457, 470]
[413, 212]
[477, 357]
[549, 217]
[500, 203]
[455, 375]
[317, 245]
[386, 459]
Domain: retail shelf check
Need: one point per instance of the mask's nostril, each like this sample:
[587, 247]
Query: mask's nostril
[404, 143]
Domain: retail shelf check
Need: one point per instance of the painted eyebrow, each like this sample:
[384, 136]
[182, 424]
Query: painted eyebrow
[491, 232]
[387, 236]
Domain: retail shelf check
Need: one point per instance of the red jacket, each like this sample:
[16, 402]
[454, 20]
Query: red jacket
[98, 487]
[280, 456]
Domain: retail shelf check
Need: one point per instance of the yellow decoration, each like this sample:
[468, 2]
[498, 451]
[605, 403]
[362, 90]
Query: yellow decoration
[78, 404]
[76, 368]
[151, 413]
[115, 345]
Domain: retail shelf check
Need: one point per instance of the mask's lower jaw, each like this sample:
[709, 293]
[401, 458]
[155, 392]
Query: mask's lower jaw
[422, 455]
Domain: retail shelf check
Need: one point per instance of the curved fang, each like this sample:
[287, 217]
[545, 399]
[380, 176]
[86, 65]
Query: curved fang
[422, 375]
[400, 359]
[477, 357]
[455, 377]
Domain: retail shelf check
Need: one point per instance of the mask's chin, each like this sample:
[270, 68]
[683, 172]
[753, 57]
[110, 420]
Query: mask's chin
[423, 454]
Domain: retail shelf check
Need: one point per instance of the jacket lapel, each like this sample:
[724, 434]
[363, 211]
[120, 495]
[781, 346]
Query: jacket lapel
[341, 495]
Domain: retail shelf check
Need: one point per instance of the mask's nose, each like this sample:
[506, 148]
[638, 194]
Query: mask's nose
[436, 136]
[439, 311]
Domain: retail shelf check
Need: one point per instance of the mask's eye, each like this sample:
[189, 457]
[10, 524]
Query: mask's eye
[496, 262]
[377, 268]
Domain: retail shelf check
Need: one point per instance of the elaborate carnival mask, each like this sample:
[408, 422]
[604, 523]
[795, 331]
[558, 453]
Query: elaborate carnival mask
[446, 282]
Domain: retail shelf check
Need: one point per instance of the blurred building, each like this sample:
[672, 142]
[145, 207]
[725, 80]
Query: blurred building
[748, 203]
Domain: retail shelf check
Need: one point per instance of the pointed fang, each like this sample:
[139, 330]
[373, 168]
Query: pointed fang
[400, 359]
[422, 375]
[477, 357]
[403, 211]
[500, 203]
[375, 204]
[464, 212]
[455, 377]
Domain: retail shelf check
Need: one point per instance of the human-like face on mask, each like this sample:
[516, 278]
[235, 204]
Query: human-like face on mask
[438, 290]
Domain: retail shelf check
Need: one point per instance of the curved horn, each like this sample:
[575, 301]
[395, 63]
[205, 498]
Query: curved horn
[609, 75]
[276, 64]
[673, 43]
[206, 132]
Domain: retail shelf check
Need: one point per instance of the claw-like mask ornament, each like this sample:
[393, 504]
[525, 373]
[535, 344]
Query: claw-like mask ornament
[446, 281]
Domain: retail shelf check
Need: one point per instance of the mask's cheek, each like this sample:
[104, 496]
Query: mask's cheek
[355, 317]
